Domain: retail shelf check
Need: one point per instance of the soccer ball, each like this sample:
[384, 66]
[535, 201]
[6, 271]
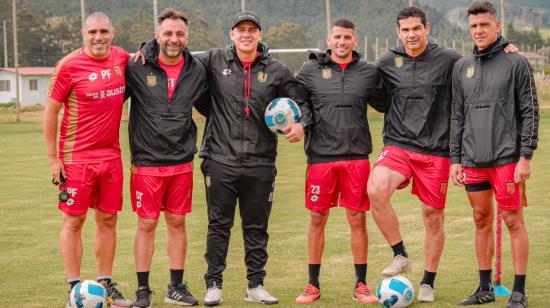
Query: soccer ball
[88, 294]
[396, 291]
[281, 112]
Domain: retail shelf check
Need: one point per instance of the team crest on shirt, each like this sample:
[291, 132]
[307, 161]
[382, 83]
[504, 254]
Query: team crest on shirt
[470, 71]
[443, 188]
[510, 188]
[398, 61]
[326, 73]
[262, 76]
[152, 80]
[117, 70]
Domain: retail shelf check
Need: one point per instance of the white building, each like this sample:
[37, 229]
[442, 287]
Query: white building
[33, 85]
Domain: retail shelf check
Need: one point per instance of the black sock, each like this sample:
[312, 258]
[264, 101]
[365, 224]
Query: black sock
[399, 249]
[360, 274]
[176, 277]
[106, 279]
[485, 280]
[314, 270]
[143, 279]
[75, 281]
[519, 284]
[429, 278]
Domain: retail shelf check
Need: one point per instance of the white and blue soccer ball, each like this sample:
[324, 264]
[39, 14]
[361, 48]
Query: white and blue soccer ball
[396, 292]
[88, 294]
[281, 112]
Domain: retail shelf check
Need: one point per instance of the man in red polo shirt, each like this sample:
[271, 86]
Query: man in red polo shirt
[89, 85]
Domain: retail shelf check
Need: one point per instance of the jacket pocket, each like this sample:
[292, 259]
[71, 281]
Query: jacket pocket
[411, 108]
[488, 135]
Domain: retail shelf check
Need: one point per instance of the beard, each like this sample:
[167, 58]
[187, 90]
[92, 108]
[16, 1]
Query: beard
[171, 52]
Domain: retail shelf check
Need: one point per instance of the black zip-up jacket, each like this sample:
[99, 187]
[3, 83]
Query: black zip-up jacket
[420, 89]
[495, 116]
[163, 133]
[337, 101]
[231, 136]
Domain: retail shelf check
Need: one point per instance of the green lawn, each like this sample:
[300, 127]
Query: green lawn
[32, 274]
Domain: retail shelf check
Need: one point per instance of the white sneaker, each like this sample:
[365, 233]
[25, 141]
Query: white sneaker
[213, 296]
[260, 295]
[400, 264]
[425, 293]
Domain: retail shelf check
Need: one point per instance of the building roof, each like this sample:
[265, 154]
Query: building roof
[30, 70]
[532, 55]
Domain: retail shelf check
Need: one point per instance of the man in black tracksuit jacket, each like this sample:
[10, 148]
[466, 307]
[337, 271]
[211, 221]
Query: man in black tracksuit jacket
[163, 141]
[494, 131]
[338, 143]
[239, 151]
[416, 141]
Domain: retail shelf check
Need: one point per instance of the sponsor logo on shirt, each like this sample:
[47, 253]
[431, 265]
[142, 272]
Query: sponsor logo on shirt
[139, 196]
[92, 76]
[106, 93]
[226, 72]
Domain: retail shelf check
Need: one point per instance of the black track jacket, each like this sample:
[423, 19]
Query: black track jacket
[162, 133]
[419, 115]
[337, 101]
[231, 137]
[495, 115]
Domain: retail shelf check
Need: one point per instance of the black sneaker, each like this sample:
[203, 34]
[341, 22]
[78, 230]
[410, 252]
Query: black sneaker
[517, 300]
[479, 298]
[144, 297]
[115, 296]
[180, 295]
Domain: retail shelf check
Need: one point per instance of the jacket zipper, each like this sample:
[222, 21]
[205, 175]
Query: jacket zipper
[414, 72]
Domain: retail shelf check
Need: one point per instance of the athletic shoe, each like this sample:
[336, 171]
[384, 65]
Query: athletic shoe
[400, 264]
[517, 300]
[479, 298]
[115, 296]
[363, 294]
[311, 293]
[425, 293]
[260, 295]
[144, 298]
[180, 295]
[213, 296]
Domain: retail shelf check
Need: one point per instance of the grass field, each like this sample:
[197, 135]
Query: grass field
[32, 274]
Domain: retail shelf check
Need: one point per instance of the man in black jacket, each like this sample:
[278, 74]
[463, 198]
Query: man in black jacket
[494, 131]
[163, 140]
[338, 142]
[239, 151]
[416, 139]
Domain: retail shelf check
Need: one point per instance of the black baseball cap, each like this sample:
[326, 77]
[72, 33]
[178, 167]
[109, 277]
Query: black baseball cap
[244, 16]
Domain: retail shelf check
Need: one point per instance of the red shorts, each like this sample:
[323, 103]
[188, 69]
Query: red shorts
[155, 189]
[501, 178]
[430, 173]
[93, 185]
[340, 182]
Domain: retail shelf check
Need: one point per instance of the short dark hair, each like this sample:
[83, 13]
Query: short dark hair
[481, 8]
[344, 23]
[412, 11]
[171, 13]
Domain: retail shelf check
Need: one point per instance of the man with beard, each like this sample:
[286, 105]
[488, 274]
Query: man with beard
[163, 143]
[89, 84]
[338, 142]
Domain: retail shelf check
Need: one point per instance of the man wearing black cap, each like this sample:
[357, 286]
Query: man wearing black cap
[239, 151]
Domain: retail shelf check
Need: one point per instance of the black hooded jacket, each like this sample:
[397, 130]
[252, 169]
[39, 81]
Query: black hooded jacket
[231, 136]
[418, 118]
[163, 133]
[337, 101]
[495, 116]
